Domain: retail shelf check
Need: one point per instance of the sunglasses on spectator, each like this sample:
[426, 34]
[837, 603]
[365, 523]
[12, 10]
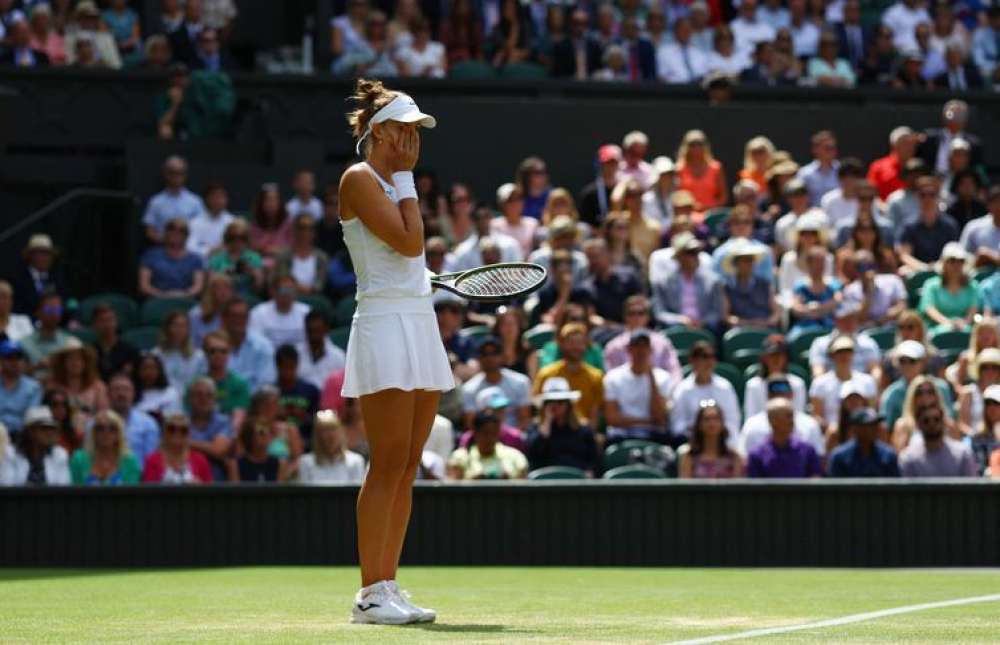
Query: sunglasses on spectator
[866, 198]
[907, 361]
[931, 418]
[104, 427]
[175, 428]
[217, 350]
[489, 352]
[54, 310]
[702, 356]
[636, 312]
[741, 222]
[262, 432]
[928, 194]
[927, 391]
[176, 227]
[991, 367]
[237, 238]
[57, 402]
[908, 326]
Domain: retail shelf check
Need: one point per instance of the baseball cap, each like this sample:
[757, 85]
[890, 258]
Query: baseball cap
[796, 187]
[490, 398]
[992, 393]
[864, 417]
[609, 152]
[849, 388]
[10, 348]
[911, 349]
[487, 341]
[778, 385]
[39, 415]
[663, 165]
[842, 343]
[685, 242]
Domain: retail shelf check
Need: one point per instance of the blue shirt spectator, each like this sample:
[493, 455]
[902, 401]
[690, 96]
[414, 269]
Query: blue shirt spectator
[986, 44]
[171, 273]
[253, 359]
[851, 460]
[142, 434]
[17, 392]
[174, 201]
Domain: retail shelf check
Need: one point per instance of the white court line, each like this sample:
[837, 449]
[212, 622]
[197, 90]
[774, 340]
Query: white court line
[844, 620]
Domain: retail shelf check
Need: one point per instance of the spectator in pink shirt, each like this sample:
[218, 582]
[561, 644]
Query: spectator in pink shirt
[638, 316]
[44, 37]
[635, 145]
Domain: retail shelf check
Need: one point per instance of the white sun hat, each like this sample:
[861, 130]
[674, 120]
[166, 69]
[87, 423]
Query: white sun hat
[403, 109]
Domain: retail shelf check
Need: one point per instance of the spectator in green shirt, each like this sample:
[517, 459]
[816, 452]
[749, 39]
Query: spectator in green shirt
[911, 360]
[105, 457]
[237, 259]
[48, 338]
[233, 392]
[949, 299]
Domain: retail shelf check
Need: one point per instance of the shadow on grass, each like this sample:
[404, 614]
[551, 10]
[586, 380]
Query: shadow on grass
[28, 574]
[445, 628]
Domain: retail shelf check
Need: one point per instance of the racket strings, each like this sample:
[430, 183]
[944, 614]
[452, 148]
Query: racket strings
[500, 281]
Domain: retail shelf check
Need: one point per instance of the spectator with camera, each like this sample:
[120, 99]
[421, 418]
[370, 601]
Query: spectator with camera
[237, 260]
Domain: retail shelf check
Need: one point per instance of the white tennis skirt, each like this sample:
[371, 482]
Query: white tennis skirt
[395, 343]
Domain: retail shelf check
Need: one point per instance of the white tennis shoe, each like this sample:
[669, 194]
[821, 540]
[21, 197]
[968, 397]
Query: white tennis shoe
[378, 604]
[423, 614]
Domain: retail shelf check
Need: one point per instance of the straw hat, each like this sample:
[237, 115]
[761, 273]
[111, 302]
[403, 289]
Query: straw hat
[811, 220]
[39, 242]
[741, 247]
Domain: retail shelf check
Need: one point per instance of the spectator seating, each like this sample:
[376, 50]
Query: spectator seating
[343, 311]
[950, 340]
[683, 338]
[914, 285]
[741, 345]
[523, 71]
[799, 346]
[538, 335]
[472, 70]
[155, 310]
[625, 452]
[125, 308]
[557, 472]
[340, 335]
[793, 368]
[884, 337]
[475, 333]
[634, 471]
[85, 335]
[142, 338]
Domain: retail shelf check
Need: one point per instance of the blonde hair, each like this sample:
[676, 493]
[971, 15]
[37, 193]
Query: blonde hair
[4, 442]
[110, 417]
[186, 348]
[556, 194]
[371, 96]
[753, 144]
[6, 288]
[689, 137]
[986, 322]
[209, 307]
[909, 403]
[327, 419]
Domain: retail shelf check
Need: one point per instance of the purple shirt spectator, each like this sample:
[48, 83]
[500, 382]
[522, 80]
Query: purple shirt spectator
[794, 459]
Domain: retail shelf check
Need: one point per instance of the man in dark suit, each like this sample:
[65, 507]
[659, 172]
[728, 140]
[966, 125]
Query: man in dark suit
[854, 38]
[641, 56]
[19, 53]
[36, 275]
[961, 75]
[936, 141]
[765, 69]
[578, 56]
[184, 41]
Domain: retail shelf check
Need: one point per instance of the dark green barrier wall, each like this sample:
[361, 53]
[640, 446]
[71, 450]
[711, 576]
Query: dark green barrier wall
[843, 524]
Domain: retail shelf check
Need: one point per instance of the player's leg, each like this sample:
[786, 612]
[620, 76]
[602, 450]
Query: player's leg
[424, 410]
[388, 417]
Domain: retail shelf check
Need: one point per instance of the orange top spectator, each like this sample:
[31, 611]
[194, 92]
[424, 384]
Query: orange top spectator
[757, 157]
[700, 174]
[886, 173]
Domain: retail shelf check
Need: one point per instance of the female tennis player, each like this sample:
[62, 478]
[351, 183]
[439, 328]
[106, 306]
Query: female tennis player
[396, 361]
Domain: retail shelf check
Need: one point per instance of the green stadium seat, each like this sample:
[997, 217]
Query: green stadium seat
[727, 371]
[86, 335]
[800, 346]
[743, 358]
[538, 335]
[743, 338]
[620, 454]
[523, 71]
[155, 310]
[142, 338]
[948, 340]
[472, 70]
[321, 304]
[884, 337]
[475, 333]
[343, 311]
[793, 368]
[715, 219]
[340, 335]
[983, 274]
[634, 471]
[124, 306]
[557, 472]
[683, 337]
[914, 284]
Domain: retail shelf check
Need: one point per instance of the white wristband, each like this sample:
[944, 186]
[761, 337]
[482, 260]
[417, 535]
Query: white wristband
[405, 187]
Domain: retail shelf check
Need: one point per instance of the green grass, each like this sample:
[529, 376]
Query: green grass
[490, 605]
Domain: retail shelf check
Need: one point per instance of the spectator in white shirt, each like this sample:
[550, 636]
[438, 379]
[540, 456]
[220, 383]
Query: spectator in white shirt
[724, 57]
[703, 384]
[902, 18]
[656, 202]
[318, 356]
[635, 146]
[423, 57]
[636, 394]
[208, 227]
[841, 204]
[701, 28]
[681, 62]
[805, 34]
[826, 390]
[757, 428]
[467, 254]
[867, 355]
[305, 200]
[749, 29]
[330, 460]
[774, 359]
[280, 320]
[797, 198]
[774, 14]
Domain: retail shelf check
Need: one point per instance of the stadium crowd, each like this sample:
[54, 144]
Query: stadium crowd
[906, 44]
[787, 318]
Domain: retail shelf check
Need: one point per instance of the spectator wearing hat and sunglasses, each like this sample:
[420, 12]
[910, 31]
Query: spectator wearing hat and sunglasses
[36, 459]
[911, 361]
[559, 438]
[38, 275]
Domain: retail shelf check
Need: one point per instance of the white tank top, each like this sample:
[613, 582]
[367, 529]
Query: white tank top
[381, 271]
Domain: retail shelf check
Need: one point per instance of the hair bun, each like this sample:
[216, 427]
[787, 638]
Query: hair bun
[367, 91]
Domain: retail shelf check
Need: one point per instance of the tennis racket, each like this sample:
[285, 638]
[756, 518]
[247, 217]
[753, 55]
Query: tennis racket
[494, 282]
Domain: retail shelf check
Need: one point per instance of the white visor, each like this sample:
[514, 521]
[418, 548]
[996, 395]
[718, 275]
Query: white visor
[403, 109]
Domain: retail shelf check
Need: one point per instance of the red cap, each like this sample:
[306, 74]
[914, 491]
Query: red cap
[609, 152]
